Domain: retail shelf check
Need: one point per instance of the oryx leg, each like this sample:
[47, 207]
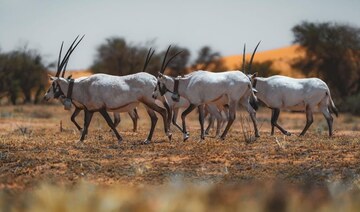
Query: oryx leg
[309, 120]
[226, 111]
[329, 119]
[252, 113]
[232, 116]
[214, 111]
[168, 110]
[201, 121]
[111, 124]
[152, 105]
[87, 119]
[117, 119]
[274, 117]
[75, 113]
[211, 124]
[183, 116]
[154, 120]
[176, 111]
[134, 117]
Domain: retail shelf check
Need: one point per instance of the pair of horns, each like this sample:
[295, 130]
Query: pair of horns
[165, 64]
[251, 59]
[148, 58]
[61, 66]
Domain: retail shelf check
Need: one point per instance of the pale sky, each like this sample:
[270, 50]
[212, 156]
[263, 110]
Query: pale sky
[225, 25]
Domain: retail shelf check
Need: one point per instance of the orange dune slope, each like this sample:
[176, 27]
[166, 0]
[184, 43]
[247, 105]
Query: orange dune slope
[281, 57]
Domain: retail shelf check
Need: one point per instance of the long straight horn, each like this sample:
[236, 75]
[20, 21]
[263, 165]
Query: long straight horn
[167, 63]
[68, 53]
[252, 56]
[243, 61]
[163, 63]
[63, 60]
[58, 65]
[148, 58]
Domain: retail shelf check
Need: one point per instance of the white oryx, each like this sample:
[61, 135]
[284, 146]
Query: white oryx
[55, 93]
[281, 92]
[202, 87]
[102, 93]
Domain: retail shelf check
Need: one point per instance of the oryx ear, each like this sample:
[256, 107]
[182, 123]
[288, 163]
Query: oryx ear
[160, 74]
[254, 75]
[69, 77]
[254, 90]
[51, 77]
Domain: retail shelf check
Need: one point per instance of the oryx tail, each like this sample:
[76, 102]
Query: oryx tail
[332, 108]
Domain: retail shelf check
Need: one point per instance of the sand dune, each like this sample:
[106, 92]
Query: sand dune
[281, 57]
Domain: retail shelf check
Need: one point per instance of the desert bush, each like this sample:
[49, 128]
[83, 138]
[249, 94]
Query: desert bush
[351, 104]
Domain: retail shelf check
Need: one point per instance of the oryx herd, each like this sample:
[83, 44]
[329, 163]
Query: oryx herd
[209, 92]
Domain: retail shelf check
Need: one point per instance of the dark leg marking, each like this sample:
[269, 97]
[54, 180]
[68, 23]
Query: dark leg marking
[309, 120]
[183, 116]
[111, 124]
[87, 119]
[76, 113]
[274, 118]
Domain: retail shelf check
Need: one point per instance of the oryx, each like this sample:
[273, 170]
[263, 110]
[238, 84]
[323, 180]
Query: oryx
[281, 92]
[201, 87]
[102, 93]
[55, 93]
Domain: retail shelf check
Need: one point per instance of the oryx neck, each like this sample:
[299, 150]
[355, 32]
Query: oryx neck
[258, 84]
[254, 82]
[66, 87]
[70, 89]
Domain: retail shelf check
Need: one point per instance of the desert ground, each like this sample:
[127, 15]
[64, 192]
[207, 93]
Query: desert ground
[43, 164]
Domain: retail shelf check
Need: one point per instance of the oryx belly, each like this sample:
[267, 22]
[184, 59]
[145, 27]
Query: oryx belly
[124, 108]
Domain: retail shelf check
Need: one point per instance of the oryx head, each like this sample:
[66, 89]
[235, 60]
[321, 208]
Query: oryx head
[55, 90]
[162, 79]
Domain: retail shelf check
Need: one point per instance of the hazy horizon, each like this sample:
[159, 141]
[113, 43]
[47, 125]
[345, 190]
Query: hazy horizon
[225, 26]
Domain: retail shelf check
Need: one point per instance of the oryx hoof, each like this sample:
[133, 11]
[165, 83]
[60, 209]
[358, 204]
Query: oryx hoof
[257, 135]
[222, 138]
[202, 137]
[169, 136]
[287, 133]
[147, 141]
[80, 143]
[186, 136]
[206, 132]
[120, 140]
